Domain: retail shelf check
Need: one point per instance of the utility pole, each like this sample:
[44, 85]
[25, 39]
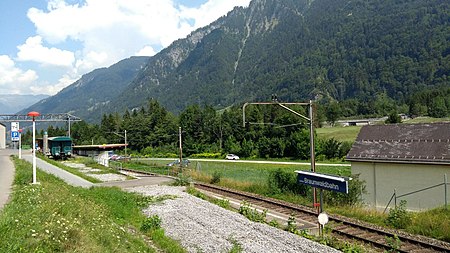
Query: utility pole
[313, 159]
[181, 149]
[126, 144]
[309, 119]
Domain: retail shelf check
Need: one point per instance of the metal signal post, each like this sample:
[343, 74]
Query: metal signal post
[310, 119]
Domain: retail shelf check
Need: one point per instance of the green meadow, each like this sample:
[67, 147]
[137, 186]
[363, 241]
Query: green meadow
[55, 217]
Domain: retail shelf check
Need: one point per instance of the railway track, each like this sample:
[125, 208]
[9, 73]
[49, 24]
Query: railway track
[348, 228]
[344, 227]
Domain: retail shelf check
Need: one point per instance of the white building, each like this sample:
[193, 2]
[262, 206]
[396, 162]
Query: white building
[411, 159]
[2, 136]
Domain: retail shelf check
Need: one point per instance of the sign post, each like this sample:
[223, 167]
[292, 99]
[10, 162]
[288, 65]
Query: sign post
[20, 143]
[33, 148]
[323, 181]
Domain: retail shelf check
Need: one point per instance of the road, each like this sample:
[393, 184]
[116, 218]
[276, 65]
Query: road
[6, 175]
[249, 161]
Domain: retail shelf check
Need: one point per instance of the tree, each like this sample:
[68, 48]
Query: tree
[331, 148]
[438, 109]
[332, 113]
[393, 118]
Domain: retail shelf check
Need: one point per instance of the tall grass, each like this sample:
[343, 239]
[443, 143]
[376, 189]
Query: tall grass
[56, 217]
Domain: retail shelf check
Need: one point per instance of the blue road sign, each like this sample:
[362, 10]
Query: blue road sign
[14, 136]
[323, 181]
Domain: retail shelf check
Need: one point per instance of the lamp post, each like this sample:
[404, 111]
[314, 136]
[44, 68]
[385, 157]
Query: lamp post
[33, 115]
[20, 143]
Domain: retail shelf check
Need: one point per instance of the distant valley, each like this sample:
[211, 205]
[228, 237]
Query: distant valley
[13, 103]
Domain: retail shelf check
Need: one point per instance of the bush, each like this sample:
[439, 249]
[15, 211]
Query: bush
[216, 177]
[152, 223]
[355, 189]
[252, 214]
[182, 180]
[399, 217]
[345, 148]
[330, 148]
[206, 155]
[224, 203]
[280, 181]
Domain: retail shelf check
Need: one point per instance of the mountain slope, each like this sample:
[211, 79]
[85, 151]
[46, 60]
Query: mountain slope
[87, 97]
[299, 49]
[331, 49]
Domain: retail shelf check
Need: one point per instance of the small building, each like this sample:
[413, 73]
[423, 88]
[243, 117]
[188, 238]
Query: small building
[411, 159]
[95, 150]
[2, 136]
[101, 153]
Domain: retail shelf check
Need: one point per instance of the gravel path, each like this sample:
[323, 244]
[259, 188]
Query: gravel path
[204, 227]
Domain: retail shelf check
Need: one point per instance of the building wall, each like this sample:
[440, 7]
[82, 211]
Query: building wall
[2, 136]
[382, 178]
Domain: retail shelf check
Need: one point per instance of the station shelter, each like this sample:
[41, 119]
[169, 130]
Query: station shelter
[101, 153]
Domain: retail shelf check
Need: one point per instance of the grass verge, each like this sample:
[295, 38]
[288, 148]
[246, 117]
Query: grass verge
[55, 217]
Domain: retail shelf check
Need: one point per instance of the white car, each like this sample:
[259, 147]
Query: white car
[232, 157]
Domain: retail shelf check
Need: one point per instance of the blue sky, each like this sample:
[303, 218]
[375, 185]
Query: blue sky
[48, 44]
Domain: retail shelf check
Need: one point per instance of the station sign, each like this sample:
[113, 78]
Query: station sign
[14, 126]
[323, 181]
[14, 131]
[15, 135]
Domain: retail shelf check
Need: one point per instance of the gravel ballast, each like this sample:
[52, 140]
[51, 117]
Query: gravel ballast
[204, 227]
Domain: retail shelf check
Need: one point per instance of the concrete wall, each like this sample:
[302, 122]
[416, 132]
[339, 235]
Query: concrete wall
[382, 178]
[2, 136]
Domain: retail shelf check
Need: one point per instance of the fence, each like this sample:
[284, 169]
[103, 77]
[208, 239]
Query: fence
[395, 196]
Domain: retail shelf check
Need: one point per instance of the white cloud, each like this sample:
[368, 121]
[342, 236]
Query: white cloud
[33, 50]
[52, 89]
[146, 51]
[13, 80]
[107, 31]
[210, 11]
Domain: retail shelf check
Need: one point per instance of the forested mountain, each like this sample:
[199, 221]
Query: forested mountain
[87, 97]
[300, 49]
[370, 56]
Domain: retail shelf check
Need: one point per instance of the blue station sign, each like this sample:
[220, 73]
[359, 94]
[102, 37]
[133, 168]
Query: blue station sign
[323, 181]
[14, 135]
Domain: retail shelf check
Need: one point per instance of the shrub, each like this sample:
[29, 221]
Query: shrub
[252, 214]
[182, 180]
[151, 223]
[280, 181]
[206, 155]
[356, 188]
[394, 243]
[274, 223]
[216, 177]
[345, 148]
[330, 148]
[399, 217]
[292, 225]
[224, 203]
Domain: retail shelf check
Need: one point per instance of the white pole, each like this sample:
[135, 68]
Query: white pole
[181, 150]
[125, 142]
[20, 145]
[34, 152]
